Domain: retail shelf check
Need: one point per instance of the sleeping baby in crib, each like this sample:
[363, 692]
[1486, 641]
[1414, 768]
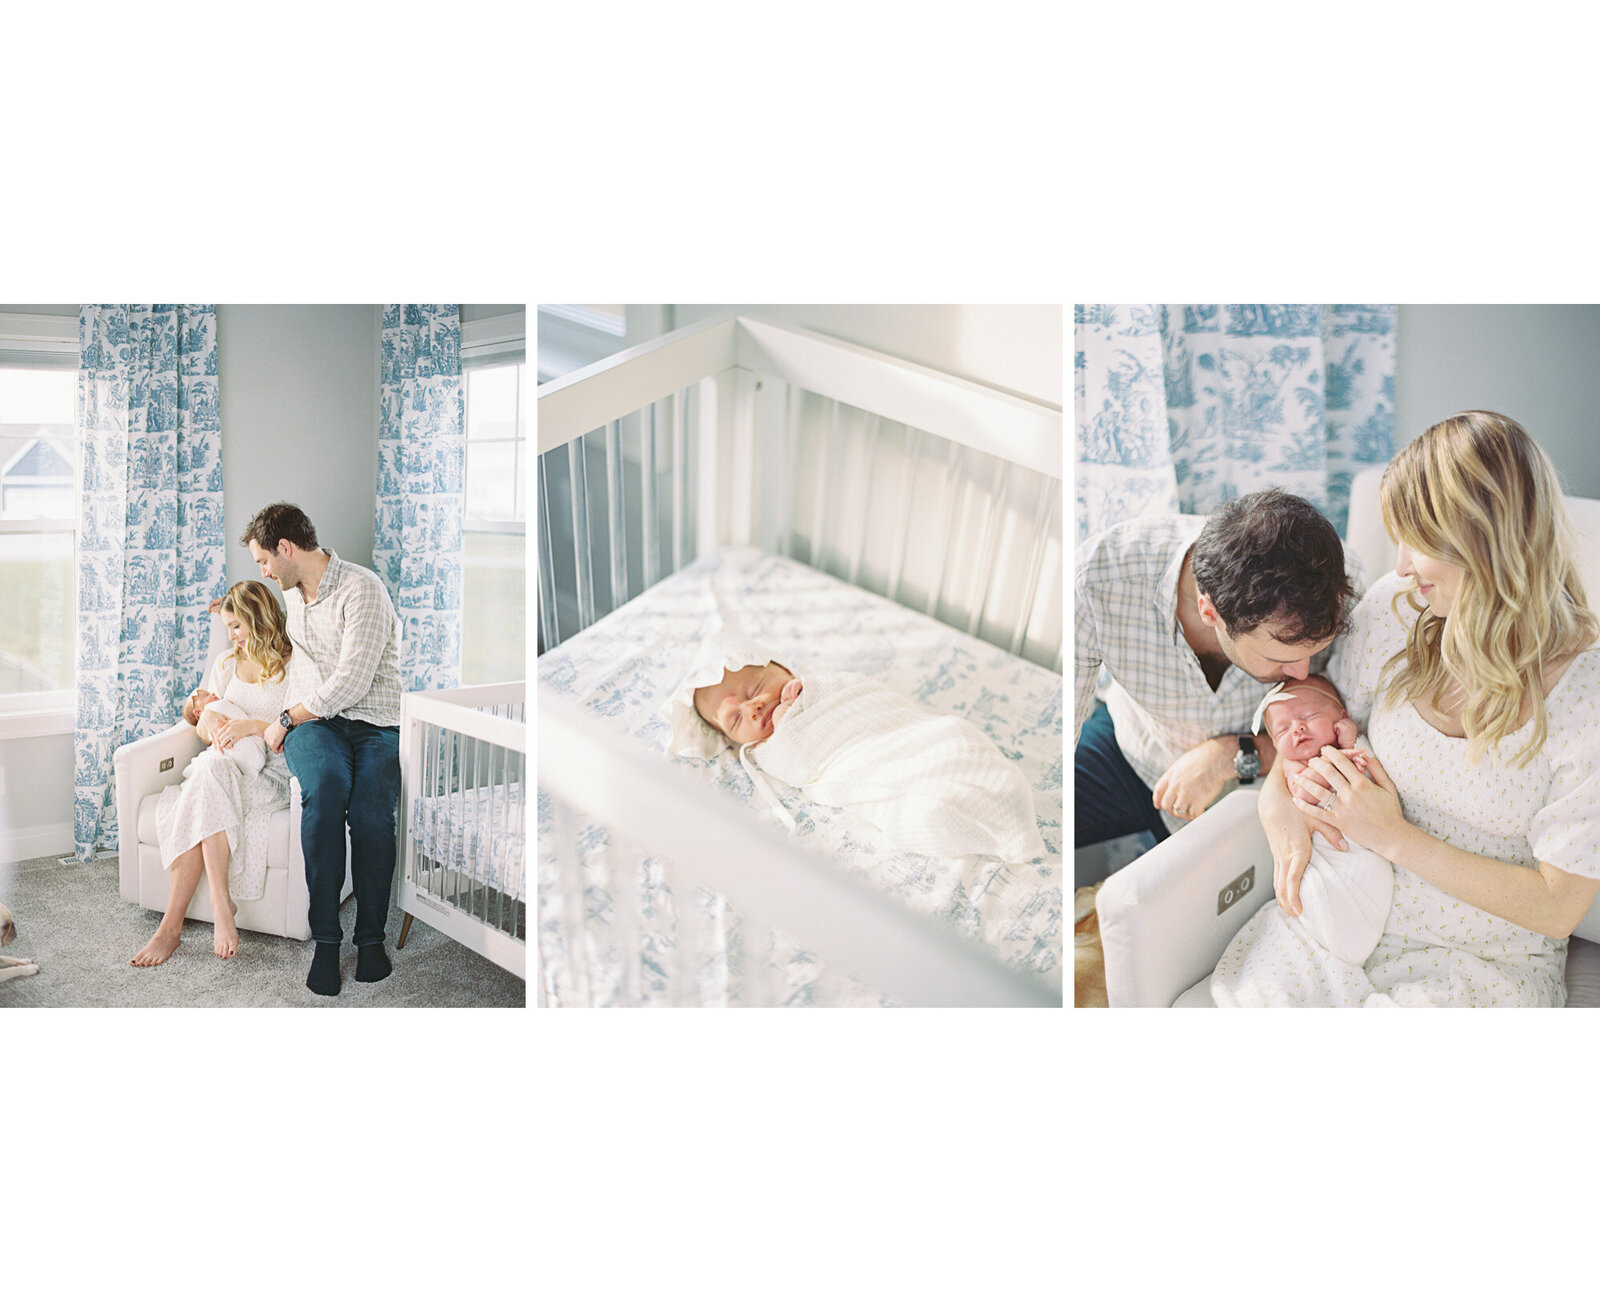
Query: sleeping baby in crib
[933, 784]
[1344, 900]
[203, 710]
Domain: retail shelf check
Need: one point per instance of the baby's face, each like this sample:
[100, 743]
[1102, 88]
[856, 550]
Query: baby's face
[196, 704]
[745, 704]
[1303, 725]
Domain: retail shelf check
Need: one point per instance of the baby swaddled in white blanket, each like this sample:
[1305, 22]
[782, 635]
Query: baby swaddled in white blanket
[933, 784]
[1314, 959]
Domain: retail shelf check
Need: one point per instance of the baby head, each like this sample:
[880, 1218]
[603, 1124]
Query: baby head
[1303, 715]
[747, 704]
[195, 705]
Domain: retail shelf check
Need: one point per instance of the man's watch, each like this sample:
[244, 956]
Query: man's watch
[289, 723]
[1247, 764]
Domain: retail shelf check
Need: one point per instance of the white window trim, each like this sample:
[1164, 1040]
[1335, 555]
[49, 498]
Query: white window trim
[499, 339]
[39, 341]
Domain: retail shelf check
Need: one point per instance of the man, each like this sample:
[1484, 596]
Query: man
[1191, 617]
[342, 742]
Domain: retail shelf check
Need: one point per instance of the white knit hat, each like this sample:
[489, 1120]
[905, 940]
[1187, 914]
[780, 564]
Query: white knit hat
[717, 653]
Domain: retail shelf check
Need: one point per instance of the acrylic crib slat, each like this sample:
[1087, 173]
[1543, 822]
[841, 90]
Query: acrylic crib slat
[549, 623]
[615, 516]
[648, 491]
[582, 543]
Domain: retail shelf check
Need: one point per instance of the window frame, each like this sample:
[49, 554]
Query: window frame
[489, 343]
[41, 341]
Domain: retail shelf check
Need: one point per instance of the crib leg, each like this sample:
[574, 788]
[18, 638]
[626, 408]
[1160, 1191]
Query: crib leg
[405, 928]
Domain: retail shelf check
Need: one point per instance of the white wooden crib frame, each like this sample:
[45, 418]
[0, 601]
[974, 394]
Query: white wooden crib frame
[850, 924]
[465, 712]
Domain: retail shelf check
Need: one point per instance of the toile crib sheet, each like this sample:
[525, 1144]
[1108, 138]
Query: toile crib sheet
[478, 832]
[623, 669]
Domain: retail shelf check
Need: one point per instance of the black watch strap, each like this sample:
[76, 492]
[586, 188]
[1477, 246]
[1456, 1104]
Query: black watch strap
[285, 721]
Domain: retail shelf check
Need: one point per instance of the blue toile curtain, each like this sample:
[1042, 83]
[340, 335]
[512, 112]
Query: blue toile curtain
[1182, 407]
[151, 541]
[422, 454]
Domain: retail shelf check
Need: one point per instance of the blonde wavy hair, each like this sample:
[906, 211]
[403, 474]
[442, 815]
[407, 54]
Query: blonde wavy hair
[266, 639]
[1477, 492]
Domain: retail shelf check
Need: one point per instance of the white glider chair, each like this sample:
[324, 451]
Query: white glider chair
[1166, 918]
[143, 769]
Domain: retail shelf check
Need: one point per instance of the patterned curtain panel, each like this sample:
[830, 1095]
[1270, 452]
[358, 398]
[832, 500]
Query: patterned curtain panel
[1181, 407]
[151, 541]
[422, 453]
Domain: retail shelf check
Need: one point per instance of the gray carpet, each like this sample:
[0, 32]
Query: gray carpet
[72, 921]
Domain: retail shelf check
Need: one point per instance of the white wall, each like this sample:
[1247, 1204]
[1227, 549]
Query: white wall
[299, 388]
[1540, 364]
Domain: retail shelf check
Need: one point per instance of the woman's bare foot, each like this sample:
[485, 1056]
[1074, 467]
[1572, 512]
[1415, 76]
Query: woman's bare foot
[225, 937]
[162, 945]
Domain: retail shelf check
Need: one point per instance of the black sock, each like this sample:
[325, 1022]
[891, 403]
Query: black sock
[372, 963]
[324, 976]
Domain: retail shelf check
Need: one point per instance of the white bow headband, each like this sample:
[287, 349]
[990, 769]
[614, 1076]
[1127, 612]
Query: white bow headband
[1276, 693]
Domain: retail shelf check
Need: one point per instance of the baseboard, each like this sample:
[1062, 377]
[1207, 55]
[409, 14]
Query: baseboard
[30, 843]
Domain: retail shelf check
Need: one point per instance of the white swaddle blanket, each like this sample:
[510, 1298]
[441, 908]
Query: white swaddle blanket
[1277, 959]
[934, 784]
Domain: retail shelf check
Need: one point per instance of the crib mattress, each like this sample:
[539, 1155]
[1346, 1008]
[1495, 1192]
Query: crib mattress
[463, 831]
[625, 666]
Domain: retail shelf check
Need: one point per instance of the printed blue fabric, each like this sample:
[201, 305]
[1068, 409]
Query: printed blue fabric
[422, 454]
[1182, 407]
[151, 542]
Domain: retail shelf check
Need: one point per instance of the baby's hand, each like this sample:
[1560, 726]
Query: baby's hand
[786, 698]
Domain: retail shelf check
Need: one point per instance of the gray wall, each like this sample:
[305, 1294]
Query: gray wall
[300, 420]
[1540, 364]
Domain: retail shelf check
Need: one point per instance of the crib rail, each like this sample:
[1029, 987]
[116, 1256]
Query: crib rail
[933, 491]
[463, 817]
[710, 840]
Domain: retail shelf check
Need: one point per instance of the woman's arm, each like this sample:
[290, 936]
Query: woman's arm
[1289, 831]
[1546, 900]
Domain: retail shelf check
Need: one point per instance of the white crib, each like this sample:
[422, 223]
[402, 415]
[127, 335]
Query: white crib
[784, 445]
[463, 818]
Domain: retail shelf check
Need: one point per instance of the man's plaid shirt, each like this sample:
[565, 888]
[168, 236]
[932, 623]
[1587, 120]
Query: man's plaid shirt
[353, 633]
[1127, 621]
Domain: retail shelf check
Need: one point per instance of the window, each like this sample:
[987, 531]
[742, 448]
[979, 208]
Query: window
[38, 536]
[494, 566]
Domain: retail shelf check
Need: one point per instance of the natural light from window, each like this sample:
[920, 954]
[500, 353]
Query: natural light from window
[494, 565]
[37, 529]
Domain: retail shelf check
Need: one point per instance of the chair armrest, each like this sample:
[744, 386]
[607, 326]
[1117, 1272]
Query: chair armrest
[141, 768]
[1166, 919]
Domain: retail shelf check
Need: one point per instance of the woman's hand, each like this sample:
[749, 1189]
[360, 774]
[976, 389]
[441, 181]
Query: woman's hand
[229, 731]
[1289, 834]
[1365, 808]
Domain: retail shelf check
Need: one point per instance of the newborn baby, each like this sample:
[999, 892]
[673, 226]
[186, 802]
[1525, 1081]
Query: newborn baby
[204, 710]
[933, 784]
[1344, 896]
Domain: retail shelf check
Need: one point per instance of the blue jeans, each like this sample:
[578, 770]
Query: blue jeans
[1109, 799]
[349, 771]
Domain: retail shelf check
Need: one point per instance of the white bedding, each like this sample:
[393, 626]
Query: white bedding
[625, 666]
[477, 832]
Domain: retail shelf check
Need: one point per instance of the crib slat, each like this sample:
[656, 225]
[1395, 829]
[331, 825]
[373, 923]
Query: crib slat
[647, 499]
[819, 527]
[993, 512]
[908, 486]
[680, 474]
[866, 502]
[617, 522]
[950, 500]
[1043, 512]
[793, 413]
[582, 543]
[548, 621]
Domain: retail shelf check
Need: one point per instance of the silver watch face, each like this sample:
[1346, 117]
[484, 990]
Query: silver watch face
[1247, 767]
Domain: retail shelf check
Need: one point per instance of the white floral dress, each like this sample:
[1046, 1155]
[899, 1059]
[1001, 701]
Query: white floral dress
[1437, 950]
[215, 797]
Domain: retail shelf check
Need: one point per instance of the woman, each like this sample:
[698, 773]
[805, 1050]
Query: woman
[1474, 668]
[215, 822]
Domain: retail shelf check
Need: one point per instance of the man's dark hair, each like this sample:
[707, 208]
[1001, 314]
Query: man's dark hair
[280, 522]
[1272, 557]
